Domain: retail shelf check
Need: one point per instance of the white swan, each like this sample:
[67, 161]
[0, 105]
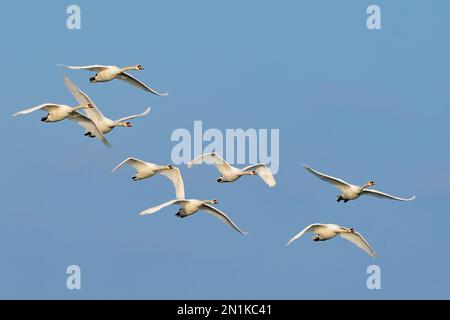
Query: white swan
[59, 112]
[352, 192]
[145, 170]
[104, 124]
[108, 73]
[230, 173]
[328, 231]
[191, 206]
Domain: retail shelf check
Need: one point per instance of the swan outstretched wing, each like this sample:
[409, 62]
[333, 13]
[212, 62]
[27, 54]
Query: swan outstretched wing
[45, 106]
[263, 172]
[379, 194]
[90, 126]
[339, 183]
[357, 239]
[174, 175]
[220, 215]
[135, 163]
[147, 111]
[93, 113]
[212, 158]
[135, 82]
[310, 228]
[161, 206]
[94, 67]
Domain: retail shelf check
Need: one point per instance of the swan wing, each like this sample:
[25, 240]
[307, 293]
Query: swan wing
[174, 175]
[379, 194]
[147, 111]
[220, 215]
[94, 67]
[135, 82]
[93, 113]
[212, 158]
[135, 163]
[263, 172]
[311, 228]
[339, 183]
[357, 239]
[90, 126]
[162, 206]
[45, 106]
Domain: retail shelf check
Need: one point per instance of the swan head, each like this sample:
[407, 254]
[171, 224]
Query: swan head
[128, 124]
[348, 230]
[139, 67]
[370, 183]
[214, 201]
[169, 167]
[253, 173]
[220, 180]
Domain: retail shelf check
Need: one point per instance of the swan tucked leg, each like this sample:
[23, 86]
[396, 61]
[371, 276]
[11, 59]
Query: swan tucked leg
[180, 214]
[318, 238]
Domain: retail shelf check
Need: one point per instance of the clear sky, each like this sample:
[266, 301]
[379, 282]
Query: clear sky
[348, 101]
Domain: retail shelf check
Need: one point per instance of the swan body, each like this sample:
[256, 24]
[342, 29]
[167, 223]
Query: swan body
[324, 232]
[108, 73]
[104, 124]
[353, 192]
[145, 170]
[190, 206]
[230, 173]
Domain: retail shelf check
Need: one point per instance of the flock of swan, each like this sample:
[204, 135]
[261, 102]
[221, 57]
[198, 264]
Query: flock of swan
[96, 125]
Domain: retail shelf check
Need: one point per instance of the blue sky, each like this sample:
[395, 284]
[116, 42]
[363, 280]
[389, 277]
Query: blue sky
[351, 102]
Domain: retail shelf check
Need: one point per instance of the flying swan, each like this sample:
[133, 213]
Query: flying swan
[325, 232]
[352, 192]
[230, 173]
[108, 73]
[60, 112]
[191, 206]
[104, 124]
[145, 170]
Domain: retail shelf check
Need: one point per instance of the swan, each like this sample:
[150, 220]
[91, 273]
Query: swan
[191, 206]
[230, 173]
[329, 231]
[59, 112]
[108, 73]
[104, 124]
[352, 192]
[145, 170]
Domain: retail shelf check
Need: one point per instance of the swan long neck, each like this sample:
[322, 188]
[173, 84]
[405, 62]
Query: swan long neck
[128, 68]
[164, 168]
[85, 106]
